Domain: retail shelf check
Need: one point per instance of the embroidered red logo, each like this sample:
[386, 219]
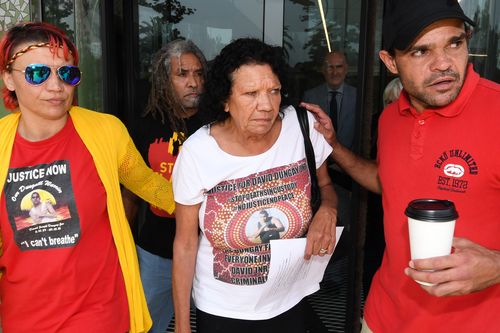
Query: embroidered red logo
[456, 168]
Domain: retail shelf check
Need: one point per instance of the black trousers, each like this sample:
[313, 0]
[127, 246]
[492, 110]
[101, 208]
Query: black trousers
[291, 321]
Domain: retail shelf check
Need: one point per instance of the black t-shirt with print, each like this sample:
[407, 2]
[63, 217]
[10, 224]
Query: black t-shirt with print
[159, 146]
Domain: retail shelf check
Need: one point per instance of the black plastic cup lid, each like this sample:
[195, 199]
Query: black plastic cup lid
[432, 210]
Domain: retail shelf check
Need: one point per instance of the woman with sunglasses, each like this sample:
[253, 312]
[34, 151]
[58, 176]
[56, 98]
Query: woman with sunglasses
[79, 273]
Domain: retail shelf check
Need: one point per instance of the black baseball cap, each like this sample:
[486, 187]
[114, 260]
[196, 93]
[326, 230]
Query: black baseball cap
[405, 19]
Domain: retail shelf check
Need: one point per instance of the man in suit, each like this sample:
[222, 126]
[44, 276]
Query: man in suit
[339, 100]
[334, 70]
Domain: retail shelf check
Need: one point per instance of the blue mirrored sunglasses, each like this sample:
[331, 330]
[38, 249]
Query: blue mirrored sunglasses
[36, 74]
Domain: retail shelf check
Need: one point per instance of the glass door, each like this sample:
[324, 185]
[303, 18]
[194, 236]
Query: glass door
[209, 24]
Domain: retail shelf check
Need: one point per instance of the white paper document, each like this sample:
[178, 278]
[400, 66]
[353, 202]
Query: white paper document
[290, 275]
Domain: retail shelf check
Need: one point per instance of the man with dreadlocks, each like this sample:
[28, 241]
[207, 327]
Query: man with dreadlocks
[178, 74]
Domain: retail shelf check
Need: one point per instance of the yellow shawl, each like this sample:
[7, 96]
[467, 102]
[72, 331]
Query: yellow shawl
[117, 161]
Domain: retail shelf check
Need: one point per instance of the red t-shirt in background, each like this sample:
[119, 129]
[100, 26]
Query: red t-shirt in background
[61, 269]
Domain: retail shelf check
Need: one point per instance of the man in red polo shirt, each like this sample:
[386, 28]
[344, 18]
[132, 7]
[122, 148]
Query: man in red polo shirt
[446, 117]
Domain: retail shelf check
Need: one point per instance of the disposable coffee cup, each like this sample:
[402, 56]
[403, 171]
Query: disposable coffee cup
[431, 224]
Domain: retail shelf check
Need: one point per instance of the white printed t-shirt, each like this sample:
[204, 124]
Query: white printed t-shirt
[232, 261]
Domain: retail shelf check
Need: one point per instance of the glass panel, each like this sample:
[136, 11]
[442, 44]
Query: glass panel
[81, 21]
[88, 42]
[306, 45]
[60, 13]
[484, 46]
[209, 24]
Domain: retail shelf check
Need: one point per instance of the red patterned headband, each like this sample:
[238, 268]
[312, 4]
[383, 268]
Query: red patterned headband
[23, 51]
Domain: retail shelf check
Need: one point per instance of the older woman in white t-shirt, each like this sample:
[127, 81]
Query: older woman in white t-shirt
[249, 158]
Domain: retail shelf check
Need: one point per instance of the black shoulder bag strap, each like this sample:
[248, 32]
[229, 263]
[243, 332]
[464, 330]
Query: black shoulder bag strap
[311, 161]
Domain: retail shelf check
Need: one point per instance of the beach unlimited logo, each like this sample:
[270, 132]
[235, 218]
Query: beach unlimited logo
[456, 165]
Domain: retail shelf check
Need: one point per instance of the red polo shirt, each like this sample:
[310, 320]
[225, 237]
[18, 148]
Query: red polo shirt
[447, 153]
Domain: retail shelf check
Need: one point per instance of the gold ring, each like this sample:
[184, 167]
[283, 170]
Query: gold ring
[323, 251]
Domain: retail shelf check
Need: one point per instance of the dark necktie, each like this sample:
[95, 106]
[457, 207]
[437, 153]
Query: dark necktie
[334, 109]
